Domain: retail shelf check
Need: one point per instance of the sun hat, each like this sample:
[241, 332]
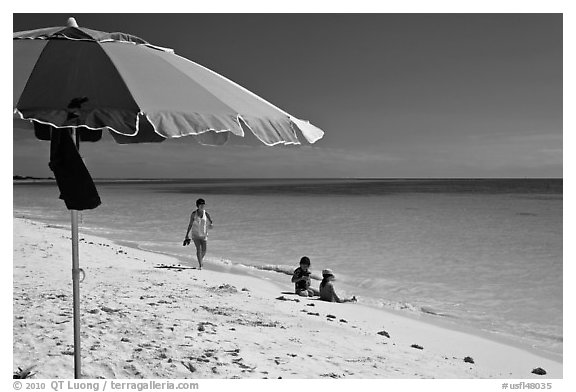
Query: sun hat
[327, 272]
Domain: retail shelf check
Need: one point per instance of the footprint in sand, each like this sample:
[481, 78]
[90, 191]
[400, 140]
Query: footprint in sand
[188, 365]
[331, 375]
[239, 362]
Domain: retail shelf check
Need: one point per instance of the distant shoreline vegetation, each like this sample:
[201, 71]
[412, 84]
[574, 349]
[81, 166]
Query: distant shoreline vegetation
[26, 178]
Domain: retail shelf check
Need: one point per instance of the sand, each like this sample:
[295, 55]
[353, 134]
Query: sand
[141, 321]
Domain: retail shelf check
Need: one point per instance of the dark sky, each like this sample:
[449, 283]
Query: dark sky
[398, 95]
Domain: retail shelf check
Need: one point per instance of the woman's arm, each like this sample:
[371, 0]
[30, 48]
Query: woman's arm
[190, 224]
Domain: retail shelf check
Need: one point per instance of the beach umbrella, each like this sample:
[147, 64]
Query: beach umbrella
[90, 81]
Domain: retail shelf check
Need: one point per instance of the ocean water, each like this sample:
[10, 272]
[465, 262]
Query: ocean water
[482, 254]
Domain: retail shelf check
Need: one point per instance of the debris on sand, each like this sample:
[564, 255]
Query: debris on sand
[24, 373]
[189, 366]
[539, 371]
[331, 375]
[283, 298]
[203, 324]
[109, 310]
[224, 288]
[177, 267]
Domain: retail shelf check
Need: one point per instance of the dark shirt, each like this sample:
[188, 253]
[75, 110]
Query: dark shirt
[301, 284]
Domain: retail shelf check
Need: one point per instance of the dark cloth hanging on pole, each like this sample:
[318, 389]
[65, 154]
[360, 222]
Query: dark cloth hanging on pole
[76, 186]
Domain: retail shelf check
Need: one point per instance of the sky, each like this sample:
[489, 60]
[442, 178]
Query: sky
[418, 95]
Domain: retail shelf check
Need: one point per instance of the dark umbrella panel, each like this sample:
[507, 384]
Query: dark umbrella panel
[130, 84]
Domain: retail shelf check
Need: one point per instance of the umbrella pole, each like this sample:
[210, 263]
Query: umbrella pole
[76, 293]
[76, 280]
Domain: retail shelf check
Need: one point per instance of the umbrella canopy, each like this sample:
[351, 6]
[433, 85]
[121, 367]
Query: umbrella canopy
[87, 80]
[138, 91]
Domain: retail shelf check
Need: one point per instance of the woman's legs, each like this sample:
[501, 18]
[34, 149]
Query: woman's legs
[200, 250]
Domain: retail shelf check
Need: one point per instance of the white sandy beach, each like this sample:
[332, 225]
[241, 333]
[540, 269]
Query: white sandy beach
[139, 321]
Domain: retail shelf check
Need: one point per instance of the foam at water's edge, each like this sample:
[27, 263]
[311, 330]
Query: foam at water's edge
[278, 273]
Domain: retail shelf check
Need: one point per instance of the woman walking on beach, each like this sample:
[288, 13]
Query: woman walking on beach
[200, 223]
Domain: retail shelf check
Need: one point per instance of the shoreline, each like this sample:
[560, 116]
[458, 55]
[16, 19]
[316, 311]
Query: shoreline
[274, 337]
[420, 316]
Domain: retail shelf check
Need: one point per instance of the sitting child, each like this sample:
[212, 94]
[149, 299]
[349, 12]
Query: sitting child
[327, 292]
[301, 279]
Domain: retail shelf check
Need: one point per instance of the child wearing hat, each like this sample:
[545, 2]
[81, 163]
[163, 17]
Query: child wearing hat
[327, 292]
